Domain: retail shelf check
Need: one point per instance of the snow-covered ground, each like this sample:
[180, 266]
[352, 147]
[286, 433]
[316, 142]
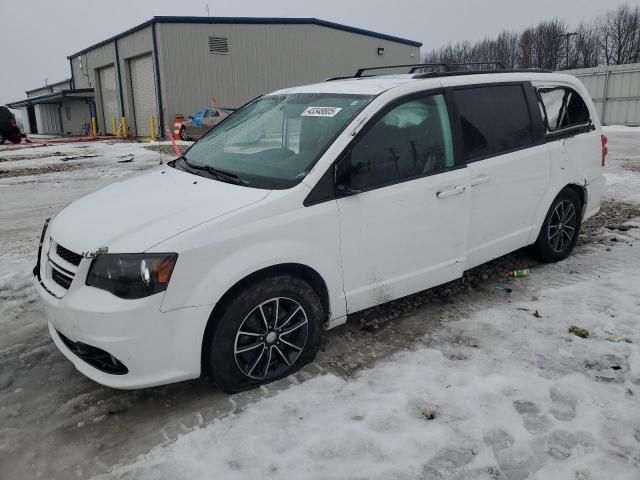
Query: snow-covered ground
[480, 385]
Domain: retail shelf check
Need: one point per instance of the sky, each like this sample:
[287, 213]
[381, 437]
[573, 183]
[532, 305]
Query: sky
[39, 34]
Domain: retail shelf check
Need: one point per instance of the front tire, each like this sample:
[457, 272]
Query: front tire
[266, 332]
[560, 229]
[183, 134]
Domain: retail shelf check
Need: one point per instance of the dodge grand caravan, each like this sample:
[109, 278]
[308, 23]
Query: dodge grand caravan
[309, 204]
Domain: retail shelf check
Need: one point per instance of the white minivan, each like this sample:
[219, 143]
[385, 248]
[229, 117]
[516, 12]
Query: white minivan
[309, 204]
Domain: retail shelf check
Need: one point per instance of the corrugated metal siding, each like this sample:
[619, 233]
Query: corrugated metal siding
[108, 97]
[261, 58]
[48, 90]
[62, 86]
[80, 72]
[615, 91]
[24, 117]
[40, 91]
[48, 118]
[134, 45]
[92, 62]
[143, 92]
[75, 116]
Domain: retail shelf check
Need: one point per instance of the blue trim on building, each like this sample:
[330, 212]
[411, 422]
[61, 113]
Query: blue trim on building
[115, 44]
[38, 99]
[73, 78]
[250, 21]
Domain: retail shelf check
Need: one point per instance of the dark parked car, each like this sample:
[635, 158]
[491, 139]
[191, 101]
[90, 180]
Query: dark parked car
[9, 129]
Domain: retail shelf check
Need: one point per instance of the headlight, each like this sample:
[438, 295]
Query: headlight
[132, 275]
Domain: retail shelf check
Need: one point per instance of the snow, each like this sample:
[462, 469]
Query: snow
[619, 129]
[511, 395]
[514, 396]
[518, 404]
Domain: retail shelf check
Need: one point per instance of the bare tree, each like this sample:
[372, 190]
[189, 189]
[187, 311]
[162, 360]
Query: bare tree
[620, 35]
[526, 49]
[506, 48]
[548, 44]
[613, 38]
[586, 49]
[503, 49]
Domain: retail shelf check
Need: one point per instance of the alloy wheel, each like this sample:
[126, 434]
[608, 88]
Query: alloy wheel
[183, 134]
[271, 338]
[562, 226]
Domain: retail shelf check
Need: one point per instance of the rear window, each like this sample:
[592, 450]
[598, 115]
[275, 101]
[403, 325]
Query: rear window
[495, 120]
[563, 108]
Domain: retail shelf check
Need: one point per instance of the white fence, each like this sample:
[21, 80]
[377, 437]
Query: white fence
[615, 90]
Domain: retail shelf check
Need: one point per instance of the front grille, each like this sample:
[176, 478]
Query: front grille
[61, 279]
[95, 357]
[68, 255]
[60, 266]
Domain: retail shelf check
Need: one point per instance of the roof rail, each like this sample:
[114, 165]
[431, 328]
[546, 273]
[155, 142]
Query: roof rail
[414, 67]
[448, 69]
[479, 72]
[499, 65]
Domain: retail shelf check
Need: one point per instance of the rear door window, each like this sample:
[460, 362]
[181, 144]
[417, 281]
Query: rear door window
[494, 119]
[563, 108]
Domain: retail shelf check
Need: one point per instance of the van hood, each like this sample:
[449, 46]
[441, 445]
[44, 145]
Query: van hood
[136, 214]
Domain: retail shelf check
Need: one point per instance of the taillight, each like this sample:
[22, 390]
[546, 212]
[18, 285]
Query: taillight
[13, 123]
[605, 150]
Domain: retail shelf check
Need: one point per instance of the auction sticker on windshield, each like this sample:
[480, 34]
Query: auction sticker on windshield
[321, 112]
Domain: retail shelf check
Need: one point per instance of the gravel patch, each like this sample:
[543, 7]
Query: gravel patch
[52, 168]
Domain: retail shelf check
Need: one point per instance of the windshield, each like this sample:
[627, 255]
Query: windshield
[275, 140]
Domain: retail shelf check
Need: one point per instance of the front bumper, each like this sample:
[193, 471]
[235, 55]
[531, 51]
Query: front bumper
[156, 347]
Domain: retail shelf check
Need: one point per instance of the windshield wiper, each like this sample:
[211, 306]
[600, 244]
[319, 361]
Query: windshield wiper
[218, 174]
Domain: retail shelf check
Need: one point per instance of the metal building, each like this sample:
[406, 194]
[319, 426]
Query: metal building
[56, 109]
[615, 90]
[178, 65]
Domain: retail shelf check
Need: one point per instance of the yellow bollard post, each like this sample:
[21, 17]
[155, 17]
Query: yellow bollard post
[94, 127]
[152, 127]
[125, 131]
[114, 126]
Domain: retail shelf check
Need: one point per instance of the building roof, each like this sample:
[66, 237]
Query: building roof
[50, 85]
[250, 21]
[54, 97]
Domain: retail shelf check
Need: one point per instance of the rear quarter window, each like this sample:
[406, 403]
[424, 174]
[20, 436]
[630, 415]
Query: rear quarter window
[562, 108]
[494, 119]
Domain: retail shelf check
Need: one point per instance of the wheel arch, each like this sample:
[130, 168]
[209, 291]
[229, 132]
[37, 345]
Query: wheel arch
[580, 190]
[544, 207]
[304, 272]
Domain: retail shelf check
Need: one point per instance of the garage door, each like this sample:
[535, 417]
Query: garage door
[109, 96]
[143, 90]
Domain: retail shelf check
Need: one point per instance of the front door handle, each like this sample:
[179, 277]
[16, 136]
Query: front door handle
[480, 179]
[457, 190]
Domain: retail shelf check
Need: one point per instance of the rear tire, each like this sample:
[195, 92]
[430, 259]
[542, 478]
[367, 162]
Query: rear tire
[560, 229]
[266, 332]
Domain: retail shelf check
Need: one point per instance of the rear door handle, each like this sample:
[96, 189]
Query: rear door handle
[457, 190]
[480, 179]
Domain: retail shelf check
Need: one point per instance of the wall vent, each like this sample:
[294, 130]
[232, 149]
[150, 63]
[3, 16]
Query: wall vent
[218, 45]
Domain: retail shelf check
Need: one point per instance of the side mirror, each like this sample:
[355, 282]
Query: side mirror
[340, 180]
